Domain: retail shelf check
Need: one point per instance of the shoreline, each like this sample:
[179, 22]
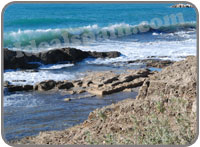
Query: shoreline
[22, 60]
[175, 86]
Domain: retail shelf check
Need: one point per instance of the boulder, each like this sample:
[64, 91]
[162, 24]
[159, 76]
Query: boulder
[61, 55]
[64, 85]
[67, 99]
[77, 83]
[45, 85]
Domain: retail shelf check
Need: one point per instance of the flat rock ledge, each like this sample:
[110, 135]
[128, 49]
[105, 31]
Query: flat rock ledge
[96, 83]
[157, 63]
[150, 61]
[164, 112]
[27, 60]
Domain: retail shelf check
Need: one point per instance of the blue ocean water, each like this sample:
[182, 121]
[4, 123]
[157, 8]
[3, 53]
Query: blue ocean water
[45, 22]
[57, 16]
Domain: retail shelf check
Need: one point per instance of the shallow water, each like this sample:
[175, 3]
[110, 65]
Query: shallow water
[28, 113]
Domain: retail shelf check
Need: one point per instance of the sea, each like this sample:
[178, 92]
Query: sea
[137, 31]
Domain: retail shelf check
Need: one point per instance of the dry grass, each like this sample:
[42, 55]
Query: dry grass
[168, 122]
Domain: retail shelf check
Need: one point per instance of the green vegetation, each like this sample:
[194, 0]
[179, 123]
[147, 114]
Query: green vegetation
[102, 116]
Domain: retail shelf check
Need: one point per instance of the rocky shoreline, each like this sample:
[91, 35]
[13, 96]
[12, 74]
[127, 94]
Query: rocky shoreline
[28, 60]
[96, 83]
[164, 112]
[101, 84]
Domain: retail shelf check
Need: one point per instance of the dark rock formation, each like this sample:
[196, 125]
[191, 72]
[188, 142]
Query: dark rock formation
[64, 85]
[19, 59]
[45, 85]
[61, 55]
[104, 54]
[13, 88]
[182, 6]
[25, 60]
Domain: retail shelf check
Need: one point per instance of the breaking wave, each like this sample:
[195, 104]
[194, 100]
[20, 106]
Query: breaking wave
[53, 36]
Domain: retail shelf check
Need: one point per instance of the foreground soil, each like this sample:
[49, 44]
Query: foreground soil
[164, 112]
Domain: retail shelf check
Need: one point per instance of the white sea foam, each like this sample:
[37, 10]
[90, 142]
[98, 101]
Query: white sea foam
[56, 66]
[182, 44]
[34, 77]
[21, 100]
[154, 33]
